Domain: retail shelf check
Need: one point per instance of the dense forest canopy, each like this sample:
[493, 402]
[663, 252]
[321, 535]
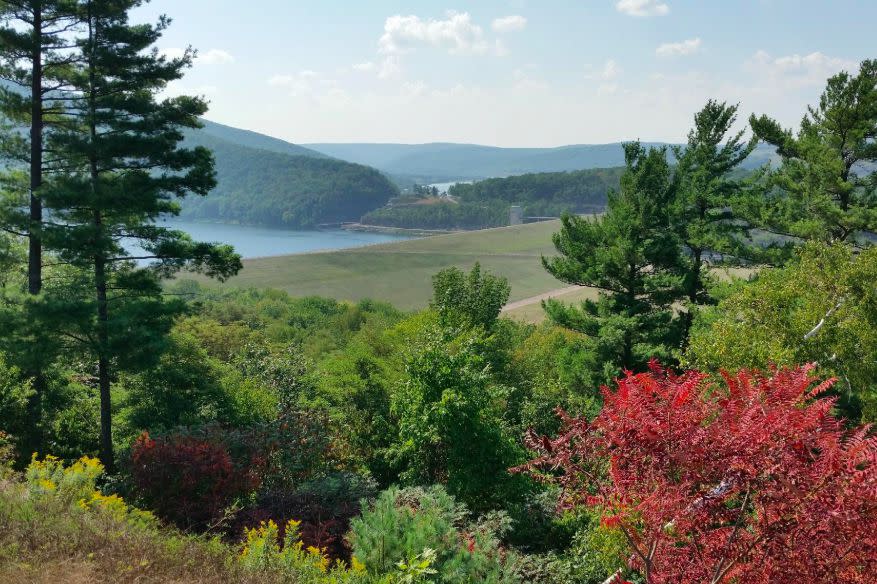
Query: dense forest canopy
[262, 187]
[547, 193]
[486, 203]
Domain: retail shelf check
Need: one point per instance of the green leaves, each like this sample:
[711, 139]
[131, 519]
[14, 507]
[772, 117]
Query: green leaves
[451, 427]
[767, 322]
[469, 299]
[825, 190]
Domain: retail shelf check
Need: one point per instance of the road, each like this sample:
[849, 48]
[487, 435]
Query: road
[540, 298]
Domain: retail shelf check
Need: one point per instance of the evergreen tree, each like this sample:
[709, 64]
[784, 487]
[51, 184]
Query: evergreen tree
[633, 257]
[35, 56]
[126, 168]
[826, 187]
[702, 210]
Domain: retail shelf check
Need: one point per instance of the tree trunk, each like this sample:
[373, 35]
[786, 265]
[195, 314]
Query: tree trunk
[103, 362]
[35, 247]
[100, 276]
[695, 287]
[35, 244]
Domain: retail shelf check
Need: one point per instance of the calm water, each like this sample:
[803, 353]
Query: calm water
[444, 186]
[252, 242]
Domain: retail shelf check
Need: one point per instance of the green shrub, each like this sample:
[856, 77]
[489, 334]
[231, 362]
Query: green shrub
[403, 524]
[451, 427]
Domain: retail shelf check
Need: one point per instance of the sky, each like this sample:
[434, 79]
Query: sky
[531, 73]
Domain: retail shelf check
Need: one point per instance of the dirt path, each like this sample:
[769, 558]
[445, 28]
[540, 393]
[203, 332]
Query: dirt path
[540, 298]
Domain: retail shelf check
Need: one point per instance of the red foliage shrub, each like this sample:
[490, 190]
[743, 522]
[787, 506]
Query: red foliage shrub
[190, 480]
[753, 482]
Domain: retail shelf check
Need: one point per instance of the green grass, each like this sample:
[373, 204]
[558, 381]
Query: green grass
[401, 272]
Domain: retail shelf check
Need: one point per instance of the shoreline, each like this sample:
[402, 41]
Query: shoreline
[399, 230]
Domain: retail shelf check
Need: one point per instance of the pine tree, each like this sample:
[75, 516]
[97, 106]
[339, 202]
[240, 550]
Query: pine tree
[826, 188]
[126, 168]
[702, 210]
[35, 56]
[633, 257]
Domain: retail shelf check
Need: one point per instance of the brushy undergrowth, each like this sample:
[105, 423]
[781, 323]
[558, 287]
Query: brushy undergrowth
[55, 526]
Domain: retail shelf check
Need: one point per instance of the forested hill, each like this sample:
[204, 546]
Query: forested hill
[545, 193]
[486, 203]
[468, 161]
[266, 181]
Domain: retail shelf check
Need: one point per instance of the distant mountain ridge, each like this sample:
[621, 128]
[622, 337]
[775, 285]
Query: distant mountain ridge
[449, 161]
[252, 139]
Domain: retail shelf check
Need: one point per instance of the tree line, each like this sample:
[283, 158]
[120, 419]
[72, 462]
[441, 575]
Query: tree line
[274, 189]
[486, 203]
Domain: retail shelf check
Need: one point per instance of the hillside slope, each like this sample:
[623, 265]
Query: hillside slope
[255, 140]
[264, 181]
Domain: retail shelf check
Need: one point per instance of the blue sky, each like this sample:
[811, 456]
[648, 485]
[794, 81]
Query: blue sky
[507, 72]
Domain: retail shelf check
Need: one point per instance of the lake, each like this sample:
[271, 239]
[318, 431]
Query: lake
[253, 242]
[444, 186]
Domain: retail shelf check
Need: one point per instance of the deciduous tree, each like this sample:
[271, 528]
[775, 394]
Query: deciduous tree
[474, 299]
[753, 481]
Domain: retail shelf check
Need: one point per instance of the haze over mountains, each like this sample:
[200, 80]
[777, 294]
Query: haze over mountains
[447, 161]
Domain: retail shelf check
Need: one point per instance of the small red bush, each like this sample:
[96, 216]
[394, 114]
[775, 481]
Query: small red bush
[190, 480]
[754, 482]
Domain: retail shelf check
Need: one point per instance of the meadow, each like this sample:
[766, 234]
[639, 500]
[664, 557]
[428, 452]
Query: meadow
[401, 272]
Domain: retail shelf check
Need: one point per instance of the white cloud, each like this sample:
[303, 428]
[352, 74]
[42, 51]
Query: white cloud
[281, 80]
[413, 88]
[642, 7]
[303, 83]
[511, 23]
[209, 57]
[797, 70]
[457, 34]
[523, 81]
[390, 67]
[681, 49]
[366, 67]
[610, 70]
[214, 57]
